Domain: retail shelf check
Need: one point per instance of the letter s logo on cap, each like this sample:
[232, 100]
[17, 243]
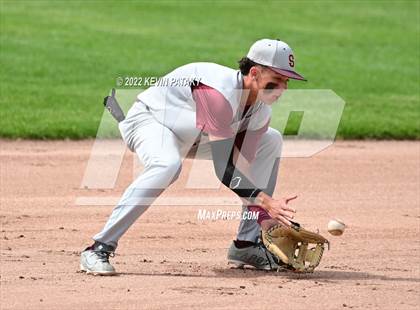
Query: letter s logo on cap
[291, 60]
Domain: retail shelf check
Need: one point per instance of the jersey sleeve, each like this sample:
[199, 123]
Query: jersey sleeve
[213, 112]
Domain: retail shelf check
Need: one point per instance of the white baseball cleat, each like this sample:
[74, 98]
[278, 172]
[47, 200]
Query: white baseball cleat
[96, 262]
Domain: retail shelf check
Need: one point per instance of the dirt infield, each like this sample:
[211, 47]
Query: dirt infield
[171, 260]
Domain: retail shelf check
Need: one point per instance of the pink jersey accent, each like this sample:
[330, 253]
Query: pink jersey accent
[262, 214]
[213, 112]
[214, 116]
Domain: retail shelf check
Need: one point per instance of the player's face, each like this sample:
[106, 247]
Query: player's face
[270, 85]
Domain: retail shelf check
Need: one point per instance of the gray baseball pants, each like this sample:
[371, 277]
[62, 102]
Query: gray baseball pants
[161, 151]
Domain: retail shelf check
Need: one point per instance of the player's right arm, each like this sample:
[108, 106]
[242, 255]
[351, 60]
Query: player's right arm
[223, 153]
[214, 116]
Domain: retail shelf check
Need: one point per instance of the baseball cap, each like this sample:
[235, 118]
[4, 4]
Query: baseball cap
[275, 54]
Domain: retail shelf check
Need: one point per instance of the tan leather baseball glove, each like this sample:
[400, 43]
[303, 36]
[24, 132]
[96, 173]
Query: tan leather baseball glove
[299, 249]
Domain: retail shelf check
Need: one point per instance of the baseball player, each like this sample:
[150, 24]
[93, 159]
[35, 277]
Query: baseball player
[221, 114]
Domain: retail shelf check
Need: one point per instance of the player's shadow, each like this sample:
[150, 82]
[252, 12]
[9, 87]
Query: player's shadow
[318, 275]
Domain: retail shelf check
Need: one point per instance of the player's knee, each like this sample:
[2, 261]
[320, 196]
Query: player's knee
[171, 167]
[177, 172]
[275, 140]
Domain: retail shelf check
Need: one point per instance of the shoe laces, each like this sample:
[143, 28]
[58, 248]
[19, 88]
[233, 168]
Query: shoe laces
[261, 247]
[104, 256]
[272, 259]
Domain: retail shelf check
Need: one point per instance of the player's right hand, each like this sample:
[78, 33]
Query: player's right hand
[278, 209]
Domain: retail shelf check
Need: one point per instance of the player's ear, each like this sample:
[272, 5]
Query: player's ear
[253, 72]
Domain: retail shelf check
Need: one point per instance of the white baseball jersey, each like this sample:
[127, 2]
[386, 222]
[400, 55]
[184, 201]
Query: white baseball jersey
[172, 104]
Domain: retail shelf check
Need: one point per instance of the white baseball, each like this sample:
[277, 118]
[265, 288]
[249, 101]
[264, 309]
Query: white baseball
[336, 227]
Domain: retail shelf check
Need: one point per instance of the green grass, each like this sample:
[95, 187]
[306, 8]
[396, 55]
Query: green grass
[59, 58]
[293, 123]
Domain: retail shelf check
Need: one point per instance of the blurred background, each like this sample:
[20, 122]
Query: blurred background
[58, 59]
